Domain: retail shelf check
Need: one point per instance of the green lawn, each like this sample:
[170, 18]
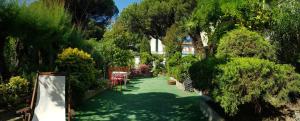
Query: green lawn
[149, 99]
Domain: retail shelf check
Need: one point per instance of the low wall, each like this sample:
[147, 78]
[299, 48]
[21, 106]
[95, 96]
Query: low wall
[91, 93]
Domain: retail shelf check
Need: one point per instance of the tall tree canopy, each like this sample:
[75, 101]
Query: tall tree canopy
[154, 17]
[216, 17]
[92, 15]
[36, 33]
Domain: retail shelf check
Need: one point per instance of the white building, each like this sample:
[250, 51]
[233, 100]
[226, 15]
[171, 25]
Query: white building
[156, 46]
[187, 46]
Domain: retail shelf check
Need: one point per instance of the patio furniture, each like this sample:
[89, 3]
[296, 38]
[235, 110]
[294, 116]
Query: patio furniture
[48, 101]
[117, 75]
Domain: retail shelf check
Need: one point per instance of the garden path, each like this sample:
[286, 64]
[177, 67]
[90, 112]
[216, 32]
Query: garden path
[147, 99]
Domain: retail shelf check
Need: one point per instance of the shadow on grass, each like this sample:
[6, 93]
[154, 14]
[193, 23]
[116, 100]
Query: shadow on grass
[151, 106]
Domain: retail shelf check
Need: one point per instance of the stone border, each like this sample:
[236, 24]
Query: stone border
[91, 93]
[212, 115]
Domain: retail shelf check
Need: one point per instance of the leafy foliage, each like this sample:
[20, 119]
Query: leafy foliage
[286, 28]
[173, 40]
[10, 53]
[40, 29]
[159, 66]
[81, 69]
[245, 80]
[146, 58]
[155, 16]
[204, 71]
[244, 43]
[14, 91]
[178, 66]
[91, 15]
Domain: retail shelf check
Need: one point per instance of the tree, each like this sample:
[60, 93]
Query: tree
[285, 31]
[41, 28]
[154, 17]
[92, 15]
[173, 40]
[216, 17]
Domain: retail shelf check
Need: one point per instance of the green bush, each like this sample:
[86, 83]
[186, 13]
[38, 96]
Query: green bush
[173, 61]
[186, 62]
[13, 92]
[178, 66]
[244, 43]
[203, 72]
[159, 67]
[252, 80]
[146, 58]
[81, 69]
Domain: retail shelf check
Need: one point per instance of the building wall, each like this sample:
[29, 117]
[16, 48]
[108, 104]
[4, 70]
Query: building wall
[188, 49]
[156, 46]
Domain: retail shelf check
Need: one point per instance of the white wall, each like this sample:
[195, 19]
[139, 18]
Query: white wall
[137, 61]
[160, 49]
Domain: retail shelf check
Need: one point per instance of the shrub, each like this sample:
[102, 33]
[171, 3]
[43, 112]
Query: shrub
[159, 67]
[13, 92]
[179, 68]
[81, 69]
[203, 72]
[244, 43]
[185, 63]
[173, 61]
[252, 80]
[144, 69]
[146, 58]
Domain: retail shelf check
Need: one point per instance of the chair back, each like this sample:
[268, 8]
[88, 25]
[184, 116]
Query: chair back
[50, 100]
[120, 68]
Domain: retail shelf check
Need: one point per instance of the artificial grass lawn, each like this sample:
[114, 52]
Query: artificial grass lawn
[149, 99]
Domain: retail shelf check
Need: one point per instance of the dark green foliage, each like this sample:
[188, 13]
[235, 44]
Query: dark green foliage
[80, 67]
[203, 72]
[93, 16]
[10, 53]
[251, 80]
[40, 29]
[244, 43]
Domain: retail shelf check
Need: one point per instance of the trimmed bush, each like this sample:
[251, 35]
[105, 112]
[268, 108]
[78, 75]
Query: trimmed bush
[13, 92]
[81, 69]
[252, 80]
[244, 43]
[203, 72]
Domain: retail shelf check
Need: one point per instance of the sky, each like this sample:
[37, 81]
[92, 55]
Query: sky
[121, 4]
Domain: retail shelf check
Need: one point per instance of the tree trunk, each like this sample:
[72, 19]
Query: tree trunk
[198, 46]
